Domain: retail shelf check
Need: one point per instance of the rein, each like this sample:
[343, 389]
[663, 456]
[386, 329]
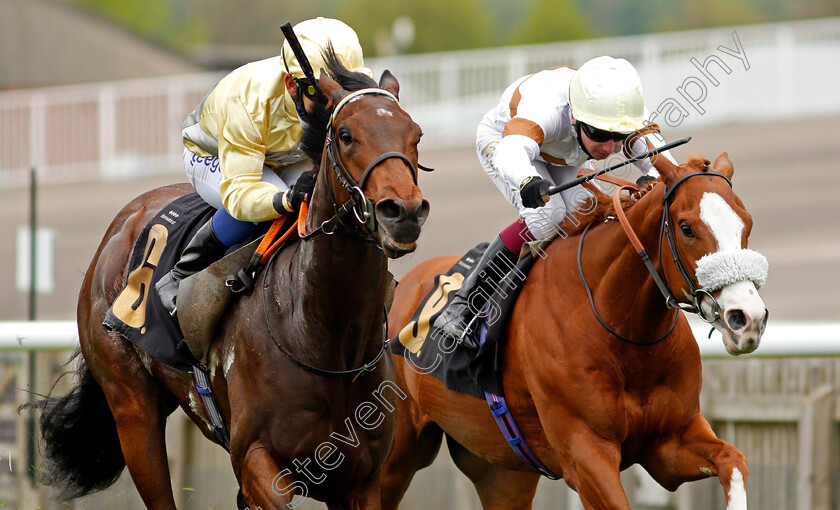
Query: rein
[666, 231]
[358, 204]
[654, 273]
[367, 367]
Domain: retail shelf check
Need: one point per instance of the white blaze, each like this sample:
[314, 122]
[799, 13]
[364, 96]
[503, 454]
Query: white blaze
[724, 223]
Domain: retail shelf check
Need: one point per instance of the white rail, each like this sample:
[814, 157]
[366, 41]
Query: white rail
[702, 77]
[781, 339]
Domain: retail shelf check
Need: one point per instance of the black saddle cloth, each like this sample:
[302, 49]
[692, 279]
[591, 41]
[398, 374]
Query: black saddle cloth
[137, 314]
[430, 351]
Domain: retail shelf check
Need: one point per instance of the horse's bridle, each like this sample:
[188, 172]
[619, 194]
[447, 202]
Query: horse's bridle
[697, 293]
[359, 204]
[362, 209]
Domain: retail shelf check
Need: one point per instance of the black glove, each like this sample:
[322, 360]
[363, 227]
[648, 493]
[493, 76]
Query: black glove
[644, 181]
[290, 200]
[534, 192]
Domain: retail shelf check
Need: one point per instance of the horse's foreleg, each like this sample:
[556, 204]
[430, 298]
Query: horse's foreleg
[266, 484]
[416, 444]
[497, 487]
[592, 469]
[698, 453]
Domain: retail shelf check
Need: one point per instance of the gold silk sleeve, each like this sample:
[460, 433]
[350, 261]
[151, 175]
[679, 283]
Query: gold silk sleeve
[525, 127]
[241, 159]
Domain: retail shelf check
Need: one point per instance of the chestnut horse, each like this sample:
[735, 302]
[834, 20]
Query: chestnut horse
[298, 367]
[588, 402]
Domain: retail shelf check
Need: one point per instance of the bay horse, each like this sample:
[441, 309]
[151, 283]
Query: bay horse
[297, 367]
[591, 399]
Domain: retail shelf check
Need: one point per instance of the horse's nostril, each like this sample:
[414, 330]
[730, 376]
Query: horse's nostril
[736, 320]
[390, 210]
[764, 320]
[421, 212]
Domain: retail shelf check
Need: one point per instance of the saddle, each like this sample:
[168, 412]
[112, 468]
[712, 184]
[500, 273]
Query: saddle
[136, 314]
[428, 349]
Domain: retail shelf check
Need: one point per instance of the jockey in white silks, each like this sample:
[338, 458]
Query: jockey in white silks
[545, 128]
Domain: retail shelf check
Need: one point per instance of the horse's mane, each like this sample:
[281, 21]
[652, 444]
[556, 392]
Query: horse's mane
[315, 135]
[603, 209]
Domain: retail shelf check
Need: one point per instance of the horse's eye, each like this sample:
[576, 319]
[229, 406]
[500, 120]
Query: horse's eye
[686, 230]
[345, 136]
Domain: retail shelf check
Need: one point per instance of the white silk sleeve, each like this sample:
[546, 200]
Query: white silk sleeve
[514, 158]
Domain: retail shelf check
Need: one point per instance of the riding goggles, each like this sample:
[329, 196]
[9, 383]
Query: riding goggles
[599, 135]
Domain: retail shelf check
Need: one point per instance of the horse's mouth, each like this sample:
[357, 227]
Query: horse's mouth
[739, 342]
[398, 234]
[395, 249]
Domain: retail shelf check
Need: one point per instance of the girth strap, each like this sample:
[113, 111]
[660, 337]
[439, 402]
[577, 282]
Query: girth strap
[504, 419]
[202, 386]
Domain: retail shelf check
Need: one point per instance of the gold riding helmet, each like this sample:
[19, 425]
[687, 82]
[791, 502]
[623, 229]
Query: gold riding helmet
[315, 35]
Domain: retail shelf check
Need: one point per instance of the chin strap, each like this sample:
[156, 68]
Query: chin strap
[580, 140]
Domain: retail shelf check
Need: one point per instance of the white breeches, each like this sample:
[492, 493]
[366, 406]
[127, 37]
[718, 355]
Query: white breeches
[206, 176]
[542, 221]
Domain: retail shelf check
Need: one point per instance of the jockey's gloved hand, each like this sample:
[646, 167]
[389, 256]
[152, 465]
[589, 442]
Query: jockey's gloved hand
[644, 181]
[534, 192]
[290, 200]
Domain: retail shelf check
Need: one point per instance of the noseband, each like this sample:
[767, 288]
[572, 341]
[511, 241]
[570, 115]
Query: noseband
[358, 203]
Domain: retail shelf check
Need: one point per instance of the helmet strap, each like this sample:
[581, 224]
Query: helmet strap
[580, 140]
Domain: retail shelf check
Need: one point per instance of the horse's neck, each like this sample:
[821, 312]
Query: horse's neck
[340, 269]
[625, 274]
[342, 280]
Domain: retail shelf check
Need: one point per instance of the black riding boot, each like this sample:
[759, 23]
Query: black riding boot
[474, 293]
[203, 249]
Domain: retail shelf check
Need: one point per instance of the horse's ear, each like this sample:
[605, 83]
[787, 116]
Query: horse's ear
[667, 169]
[723, 165]
[331, 88]
[389, 82]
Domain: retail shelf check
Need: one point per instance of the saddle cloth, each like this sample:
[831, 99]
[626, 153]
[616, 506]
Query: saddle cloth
[137, 314]
[430, 351]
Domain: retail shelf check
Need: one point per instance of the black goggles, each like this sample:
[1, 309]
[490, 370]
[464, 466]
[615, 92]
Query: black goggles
[600, 136]
[307, 89]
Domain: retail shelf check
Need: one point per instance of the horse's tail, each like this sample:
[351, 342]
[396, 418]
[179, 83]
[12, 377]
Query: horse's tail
[80, 445]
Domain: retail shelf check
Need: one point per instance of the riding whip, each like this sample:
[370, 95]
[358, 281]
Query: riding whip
[301, 56]
[651, 152]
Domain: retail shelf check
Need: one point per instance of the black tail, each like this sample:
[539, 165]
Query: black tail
[80, 445]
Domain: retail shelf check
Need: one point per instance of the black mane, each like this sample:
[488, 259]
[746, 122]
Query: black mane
[315, 135]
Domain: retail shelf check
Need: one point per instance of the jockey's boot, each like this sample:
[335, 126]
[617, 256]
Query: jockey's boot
[203, 249]
[476, 290]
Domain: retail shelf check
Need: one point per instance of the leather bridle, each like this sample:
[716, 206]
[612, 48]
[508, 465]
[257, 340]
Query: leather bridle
[697, 294]
[361, 206]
